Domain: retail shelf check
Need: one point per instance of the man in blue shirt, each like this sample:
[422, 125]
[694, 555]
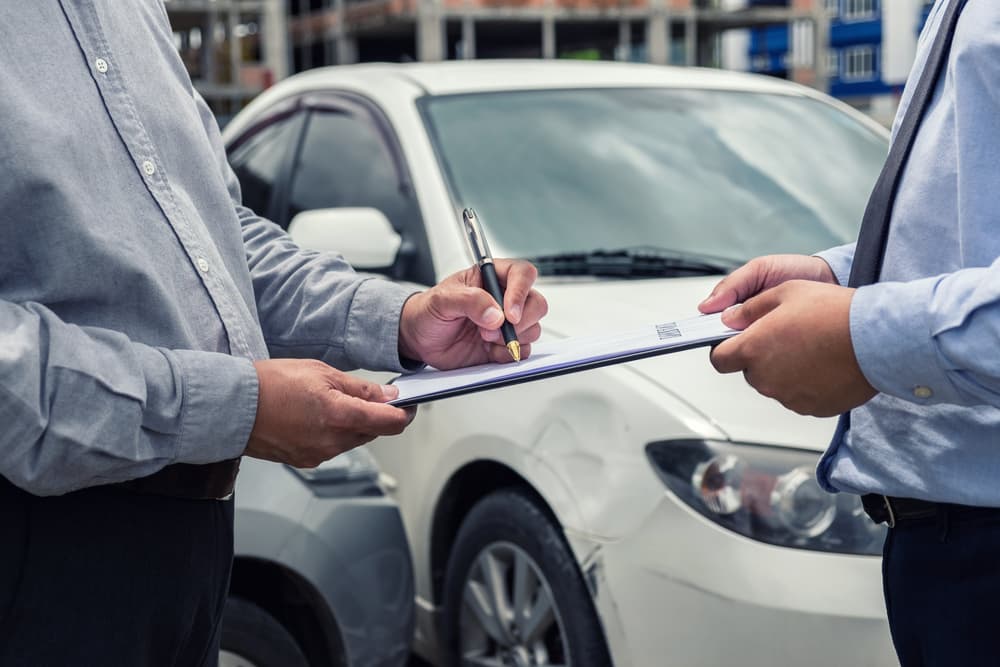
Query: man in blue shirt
[902, 331]
[139, 303]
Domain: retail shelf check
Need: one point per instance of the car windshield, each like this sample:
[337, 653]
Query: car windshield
[687, 173]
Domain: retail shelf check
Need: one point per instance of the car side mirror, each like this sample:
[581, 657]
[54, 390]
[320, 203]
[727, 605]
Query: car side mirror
[364, 236]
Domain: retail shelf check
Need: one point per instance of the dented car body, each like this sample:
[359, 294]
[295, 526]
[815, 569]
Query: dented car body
[645, 514]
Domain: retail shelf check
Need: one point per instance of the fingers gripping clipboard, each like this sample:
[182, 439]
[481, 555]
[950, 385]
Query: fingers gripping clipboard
[562, 356]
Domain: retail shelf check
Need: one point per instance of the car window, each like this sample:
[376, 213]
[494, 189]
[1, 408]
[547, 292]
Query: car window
[704, 172]
[344, 162]
[258, 162]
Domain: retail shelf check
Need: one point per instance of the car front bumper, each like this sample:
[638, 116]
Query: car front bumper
[683, 591]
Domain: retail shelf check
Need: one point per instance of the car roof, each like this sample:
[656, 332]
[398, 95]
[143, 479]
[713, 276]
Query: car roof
[473, 76]
[413, 80]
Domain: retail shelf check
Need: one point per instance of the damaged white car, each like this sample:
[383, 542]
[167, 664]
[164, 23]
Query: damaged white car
[650, 514]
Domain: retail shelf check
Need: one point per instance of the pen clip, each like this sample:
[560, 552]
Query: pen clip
[477, 240]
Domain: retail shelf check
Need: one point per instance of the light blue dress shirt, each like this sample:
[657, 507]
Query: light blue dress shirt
[927, 336]
[134, 288]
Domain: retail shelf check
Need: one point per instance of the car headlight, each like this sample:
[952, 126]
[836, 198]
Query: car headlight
[769, 494]
[353, 472]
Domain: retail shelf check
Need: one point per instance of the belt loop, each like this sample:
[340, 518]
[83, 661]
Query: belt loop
[892, 515]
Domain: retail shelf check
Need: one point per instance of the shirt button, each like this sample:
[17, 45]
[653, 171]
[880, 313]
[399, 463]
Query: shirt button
[203, 264]
[923, 392]
[101, 64]
[149, 168]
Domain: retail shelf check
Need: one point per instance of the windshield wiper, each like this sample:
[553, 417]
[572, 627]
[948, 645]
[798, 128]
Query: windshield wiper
[637, 262]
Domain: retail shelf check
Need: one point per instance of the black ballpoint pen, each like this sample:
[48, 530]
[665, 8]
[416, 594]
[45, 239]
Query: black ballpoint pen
[481, 253]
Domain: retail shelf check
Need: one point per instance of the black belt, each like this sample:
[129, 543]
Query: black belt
[213, 481]
[892, 511]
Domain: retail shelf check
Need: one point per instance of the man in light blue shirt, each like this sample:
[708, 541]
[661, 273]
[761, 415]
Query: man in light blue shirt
[914, 357]
[139, 303]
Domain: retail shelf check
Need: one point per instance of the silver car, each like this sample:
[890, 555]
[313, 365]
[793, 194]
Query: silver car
[322, 574]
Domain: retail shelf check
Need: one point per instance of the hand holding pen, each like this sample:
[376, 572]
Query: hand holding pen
[484, 260]
[458, 322]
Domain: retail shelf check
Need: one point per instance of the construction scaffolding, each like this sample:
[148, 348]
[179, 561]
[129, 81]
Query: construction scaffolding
[233, 49]
[681, 32]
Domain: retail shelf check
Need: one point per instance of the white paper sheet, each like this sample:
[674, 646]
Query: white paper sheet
[555, 357]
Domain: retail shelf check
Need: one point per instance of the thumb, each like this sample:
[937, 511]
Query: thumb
[743, 315]
[470, 303]
[736, 287]
[365, 389]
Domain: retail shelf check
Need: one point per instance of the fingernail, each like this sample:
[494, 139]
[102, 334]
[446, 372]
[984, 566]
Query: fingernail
[390, 392]
[492, 335]
[514, 313]
[492, 314]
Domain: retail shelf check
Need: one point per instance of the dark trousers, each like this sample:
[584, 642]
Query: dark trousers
[942, 589]
[109, 577]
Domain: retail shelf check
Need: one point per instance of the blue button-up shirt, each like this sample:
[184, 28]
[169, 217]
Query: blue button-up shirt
[927, 336]
[134, 288]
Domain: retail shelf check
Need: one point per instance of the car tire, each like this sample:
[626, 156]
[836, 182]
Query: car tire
[251, 637]
[507, 538]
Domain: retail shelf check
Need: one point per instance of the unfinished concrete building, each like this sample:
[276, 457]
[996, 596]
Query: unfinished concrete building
[681, 32]
[233, 49]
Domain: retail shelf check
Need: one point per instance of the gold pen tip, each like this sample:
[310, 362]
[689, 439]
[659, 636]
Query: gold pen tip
[515, 350]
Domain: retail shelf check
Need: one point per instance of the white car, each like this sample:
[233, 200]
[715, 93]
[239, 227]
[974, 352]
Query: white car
[654, 513]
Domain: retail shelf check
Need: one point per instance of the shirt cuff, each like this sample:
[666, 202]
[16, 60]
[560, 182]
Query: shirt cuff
[372, 336]
[893, 342]
[839, 259]
[219, 405]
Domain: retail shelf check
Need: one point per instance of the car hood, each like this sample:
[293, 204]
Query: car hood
[584, 306]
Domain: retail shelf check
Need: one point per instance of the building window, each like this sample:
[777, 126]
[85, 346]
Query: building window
[859, 63]
[832, 7]
[833, 62]
[859, 9]
[803, 45]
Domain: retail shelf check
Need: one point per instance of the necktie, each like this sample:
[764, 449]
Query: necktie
[870, 248]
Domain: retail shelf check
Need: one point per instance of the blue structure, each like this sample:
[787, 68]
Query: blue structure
[769, 47]
[854, 66]
[856, 53]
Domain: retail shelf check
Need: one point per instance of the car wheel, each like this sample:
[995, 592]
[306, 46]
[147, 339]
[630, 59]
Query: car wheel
[251, 637]
[513, 594]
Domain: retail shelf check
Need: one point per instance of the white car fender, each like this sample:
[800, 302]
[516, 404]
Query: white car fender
[539, 474]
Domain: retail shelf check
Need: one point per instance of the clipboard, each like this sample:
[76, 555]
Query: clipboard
[560, 357]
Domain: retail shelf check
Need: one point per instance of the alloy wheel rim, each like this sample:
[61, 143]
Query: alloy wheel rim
[509, 616]
[230, 659]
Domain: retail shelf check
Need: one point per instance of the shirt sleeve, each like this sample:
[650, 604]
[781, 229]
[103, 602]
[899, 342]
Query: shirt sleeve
[840, 260]
[84, 406]
[932, 340]
[313, 304]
